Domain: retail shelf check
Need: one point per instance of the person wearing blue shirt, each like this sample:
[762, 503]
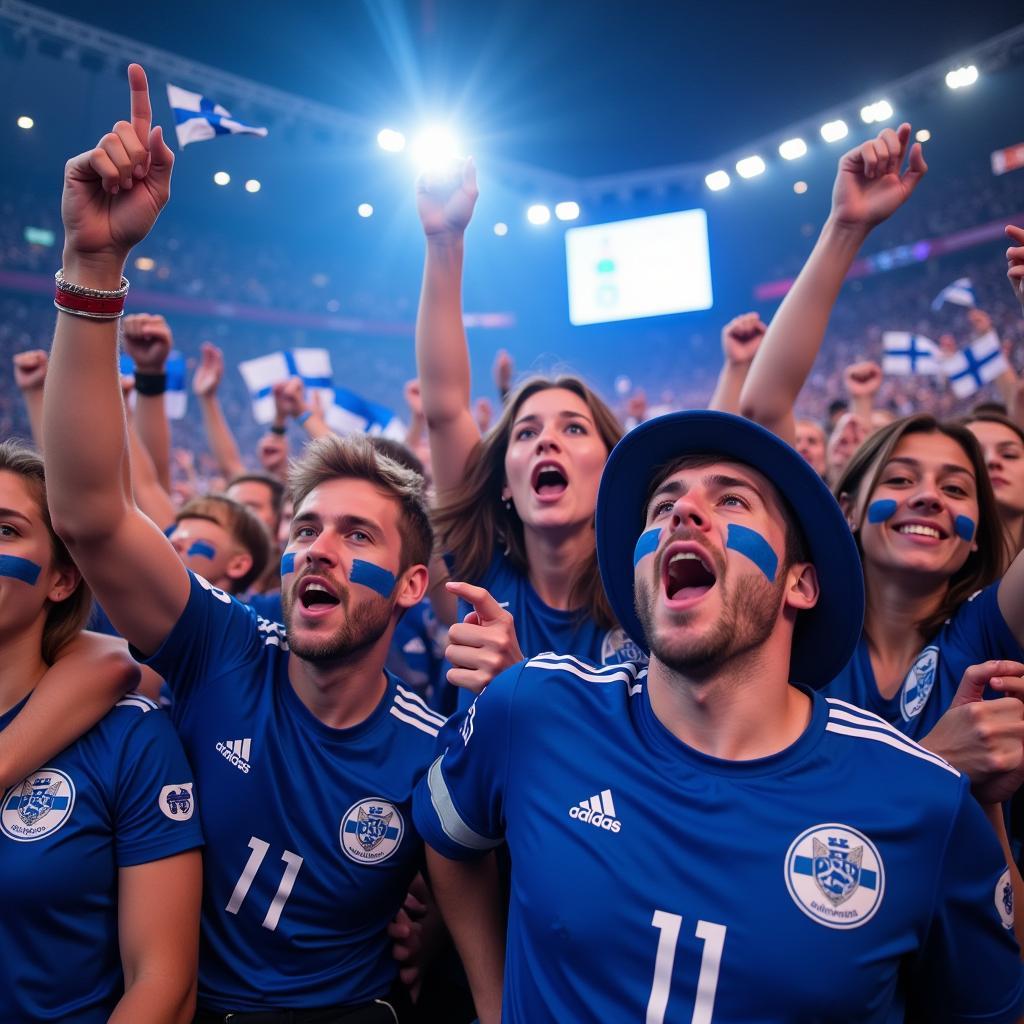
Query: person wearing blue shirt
[99, 842]
[305, 749]
[702, 840]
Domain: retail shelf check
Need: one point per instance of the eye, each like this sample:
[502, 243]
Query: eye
[305, 533]
[734, 501]
[525, 433]
[956, 490]
[1011, 454]
[661, 508]
[7, 531]
[360, 537]
[897, 480]
[576, 428]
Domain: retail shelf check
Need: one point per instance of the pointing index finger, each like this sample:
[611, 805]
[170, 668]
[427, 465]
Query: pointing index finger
[142, 112]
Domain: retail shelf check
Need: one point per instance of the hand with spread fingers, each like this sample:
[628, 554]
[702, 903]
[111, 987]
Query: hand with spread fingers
[445, 201]
[484, 644]
[210, 371]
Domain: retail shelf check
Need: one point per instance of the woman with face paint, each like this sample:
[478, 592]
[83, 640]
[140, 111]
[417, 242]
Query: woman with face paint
[1002, 445]
[516, 508]
[98, 844]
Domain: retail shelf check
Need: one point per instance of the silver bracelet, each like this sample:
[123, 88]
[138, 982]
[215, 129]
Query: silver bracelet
[88, 316]
[90, 293]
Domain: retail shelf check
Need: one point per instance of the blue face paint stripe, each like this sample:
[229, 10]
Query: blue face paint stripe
[752, 545]
[964, 526]
[200, 547]
[373, 576]
[646, 544]
[879, 511]
[20, 569]
[287, 563]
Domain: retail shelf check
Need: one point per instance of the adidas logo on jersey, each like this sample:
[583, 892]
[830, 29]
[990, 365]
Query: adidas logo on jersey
[598, 811]
[237, 752]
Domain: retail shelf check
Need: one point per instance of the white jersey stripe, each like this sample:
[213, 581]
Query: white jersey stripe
[870, 721]
[595, 804]
[609, 805]
[617, 676]
[136, 700]
[889, 741]
[414, 709]
[246, 747]
[417, 722]
[588, 666]
[423, 706]
[451, 821]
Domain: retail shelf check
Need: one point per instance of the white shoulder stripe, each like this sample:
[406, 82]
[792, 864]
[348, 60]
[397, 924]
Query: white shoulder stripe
[423, 706]
[591, 676]
[881, 737]
[414, 709]
[588, 666]
[416, 722]
[843, 712]
[847, 706]
[136, 700]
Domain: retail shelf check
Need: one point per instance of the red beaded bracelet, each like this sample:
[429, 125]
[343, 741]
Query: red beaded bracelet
[94, 303]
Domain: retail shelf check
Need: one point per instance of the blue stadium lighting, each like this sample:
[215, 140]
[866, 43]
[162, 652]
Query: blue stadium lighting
[435, 149]
[222, 178]
[960, 78]
[538, 214]
[25, 122]
[364, 210]
[876, 113]
[501, 229]
[717, 180]
[792, 149]
[833, 131]
[390, 141]
[750, 167]
[567, 211]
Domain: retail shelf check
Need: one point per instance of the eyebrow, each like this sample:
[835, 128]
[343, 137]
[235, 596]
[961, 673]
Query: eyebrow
[714, 480]
[345, 521]
[947, 467]
[565, 414]
[13, 513]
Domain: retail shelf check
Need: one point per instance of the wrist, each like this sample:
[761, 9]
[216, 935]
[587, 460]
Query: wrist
[150, 385]
[92, 270]
[446, 241]
[844, 234]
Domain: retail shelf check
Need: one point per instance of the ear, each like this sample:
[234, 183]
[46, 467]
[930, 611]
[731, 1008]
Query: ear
[238, 565]
[847, 506]
[63, 583]
[412, 586]
[802, 588]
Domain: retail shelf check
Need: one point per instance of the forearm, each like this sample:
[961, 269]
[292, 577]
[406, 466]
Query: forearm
[33, 398]
[218, 434]
[155, 999]
[726, 397]
[994, 813]
[862, 406]
[316, 426]
[1007, 383]
[150, 495]
[794, 337]
[469, 896]
[154, 432]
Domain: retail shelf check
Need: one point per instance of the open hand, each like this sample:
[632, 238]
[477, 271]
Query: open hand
[445, 202]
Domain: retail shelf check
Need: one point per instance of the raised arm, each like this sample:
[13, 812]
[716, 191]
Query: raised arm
[29, 375]
[862, 381]
[741, 338]
[112, 197]
[868, 188]
[1015, 262]
[205, 383]
[442, 352]
[147, 339]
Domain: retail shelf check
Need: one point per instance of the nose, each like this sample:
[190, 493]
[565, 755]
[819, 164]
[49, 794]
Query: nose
[927, 496]
[688, 512]
[322, 552]
[993, 461]
[547, 439]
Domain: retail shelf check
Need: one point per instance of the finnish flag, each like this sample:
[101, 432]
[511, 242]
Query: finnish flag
[975, 366]
[351, 413]
[197, 118]
[176, 396]
[313, 365]
[906, 354]
[959, 293]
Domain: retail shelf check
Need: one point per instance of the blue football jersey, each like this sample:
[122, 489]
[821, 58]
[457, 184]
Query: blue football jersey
[310, 836]
[119, 796]
[977, 632]
[848, 878]
[417, 651]
[266, 606]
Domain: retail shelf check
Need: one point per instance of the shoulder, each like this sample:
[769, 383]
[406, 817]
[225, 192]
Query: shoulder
[416, 724]
[578, 682]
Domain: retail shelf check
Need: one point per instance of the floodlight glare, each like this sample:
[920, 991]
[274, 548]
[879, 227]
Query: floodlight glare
[253, 185]
[792, 149]
[567, 211]
[144, 263]
[390, 141]
[833, 131]
[222, 178]
[25, 122]
[538, 214]
[364, 210]
[501, 229]
[962, 77]
[923, 135]
[799, 187]
[750, 167]
[435, 149]
[717, 180]
[875, 113]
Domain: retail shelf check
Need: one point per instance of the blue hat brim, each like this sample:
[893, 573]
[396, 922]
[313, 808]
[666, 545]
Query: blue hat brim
[826, 636]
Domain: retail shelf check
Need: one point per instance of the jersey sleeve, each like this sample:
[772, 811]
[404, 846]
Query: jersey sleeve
[979, 629]
[458, 806]
[214, 635]
[154, 802]
[969, 968]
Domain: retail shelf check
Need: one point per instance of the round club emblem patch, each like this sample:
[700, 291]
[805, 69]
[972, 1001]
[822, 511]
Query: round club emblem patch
[371, 830]
[1004, 899]
[38, 806]
[920, 682]
[835, 875]
[616, 648]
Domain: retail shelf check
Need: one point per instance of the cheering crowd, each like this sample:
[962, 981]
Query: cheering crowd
[554, 711]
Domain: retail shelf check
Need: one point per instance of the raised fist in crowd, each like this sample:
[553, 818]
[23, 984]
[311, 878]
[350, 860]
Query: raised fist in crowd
[30, 369]
[741, 337]
[148, 340]
[862, 380]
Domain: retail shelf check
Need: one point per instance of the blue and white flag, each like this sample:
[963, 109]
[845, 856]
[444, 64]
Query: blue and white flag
[975, 366]
[313, 365]
[906, 354]
[176, 395]
[959, 293]
[197, 118]
[351, 413]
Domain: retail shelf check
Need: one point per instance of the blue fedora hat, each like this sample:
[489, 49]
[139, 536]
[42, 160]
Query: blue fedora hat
[827, 635]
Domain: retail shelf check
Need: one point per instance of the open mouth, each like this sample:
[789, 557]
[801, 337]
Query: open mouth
[687, 576]
[314, 594]
[549, 481]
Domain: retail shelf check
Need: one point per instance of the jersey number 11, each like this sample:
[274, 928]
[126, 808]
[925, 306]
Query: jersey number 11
[292, 862]
[713, 936]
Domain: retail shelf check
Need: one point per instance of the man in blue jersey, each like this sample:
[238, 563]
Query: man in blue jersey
[305, 758]
[702, 841]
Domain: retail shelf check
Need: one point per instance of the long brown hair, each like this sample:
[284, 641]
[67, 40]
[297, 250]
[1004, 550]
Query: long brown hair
[863, 471]
[473, 521]
[64, 619]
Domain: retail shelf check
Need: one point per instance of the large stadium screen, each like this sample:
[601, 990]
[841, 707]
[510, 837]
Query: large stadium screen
[649, 266]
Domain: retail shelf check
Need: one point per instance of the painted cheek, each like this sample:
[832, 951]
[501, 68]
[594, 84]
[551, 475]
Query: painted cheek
[373, 576]
[23, 569]
[965, 527]
[881, 510]
[646, 545]
[287, 563]
[752, 545]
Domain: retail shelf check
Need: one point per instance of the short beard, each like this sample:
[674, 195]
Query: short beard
[361, 629]
[747, 621]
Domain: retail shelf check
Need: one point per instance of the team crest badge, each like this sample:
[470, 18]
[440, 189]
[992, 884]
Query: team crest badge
[177, 802]
[834, 874]
[918, 685]
[1004, 899]
[38, 807]
[617, 647]
[371, 831]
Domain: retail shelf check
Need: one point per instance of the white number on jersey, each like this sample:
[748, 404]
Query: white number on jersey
[713, 937]
[292, 862]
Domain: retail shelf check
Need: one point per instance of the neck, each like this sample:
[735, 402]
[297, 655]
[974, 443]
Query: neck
[745, 710]
[23, 666]
[345, 692]
[554, 558]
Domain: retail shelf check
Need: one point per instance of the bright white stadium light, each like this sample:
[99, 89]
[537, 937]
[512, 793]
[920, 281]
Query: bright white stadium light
[501, 229]
[750, 167]
[364, 210]
[390, 141]
[221, 178]
[144, 263]
[962, 77]
[253, 185]
[792, 149]
[435, 149]
[717, 180]
[923, 135]
[875, 113]
[799, 187]
[538, 214]
[567, 211]
[833, 131]
[25, 122]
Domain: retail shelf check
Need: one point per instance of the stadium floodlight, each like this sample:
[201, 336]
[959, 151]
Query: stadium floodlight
[923, 135]
[567, 211]
[501, 229]
[144, 263]
[390, 140]
[799, 187]
[750, 167]
[253, 185]
[875, 113]
[222, 178]
[792, 149]
[435, 149]
[538, 214]
[25, 122]
[364, 210]
[717, 180]
[833, 131]
[962, 77]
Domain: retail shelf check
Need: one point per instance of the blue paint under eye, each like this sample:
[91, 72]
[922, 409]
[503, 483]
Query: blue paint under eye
[647, 543]
[201, 548]
[287, 563]
[964, 526]
[373, 576]
[879, 511]
[20, 569]
[752, 545]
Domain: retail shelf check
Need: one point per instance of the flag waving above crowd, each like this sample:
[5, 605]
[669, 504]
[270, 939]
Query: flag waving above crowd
[197, 118]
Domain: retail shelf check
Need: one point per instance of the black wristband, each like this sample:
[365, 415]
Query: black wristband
[153, 384]
[280, 431]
